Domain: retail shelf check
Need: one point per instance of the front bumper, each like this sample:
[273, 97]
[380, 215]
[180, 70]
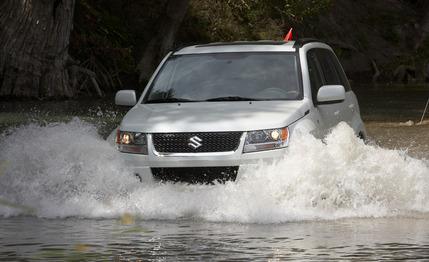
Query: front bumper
[142, 164]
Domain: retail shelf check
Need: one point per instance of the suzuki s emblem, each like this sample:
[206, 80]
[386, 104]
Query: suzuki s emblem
[195, 142]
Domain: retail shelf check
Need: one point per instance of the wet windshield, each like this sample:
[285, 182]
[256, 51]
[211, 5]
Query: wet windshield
[227, 77]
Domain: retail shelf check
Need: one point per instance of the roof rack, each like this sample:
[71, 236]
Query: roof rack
[296, 44]
[260, 42]
[302, 41]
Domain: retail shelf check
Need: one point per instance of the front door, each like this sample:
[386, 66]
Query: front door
[322, 74]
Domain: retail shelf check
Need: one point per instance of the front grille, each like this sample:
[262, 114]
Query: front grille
[196, 174]
[210, 142]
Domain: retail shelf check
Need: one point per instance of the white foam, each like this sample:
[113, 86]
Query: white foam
[62, 170]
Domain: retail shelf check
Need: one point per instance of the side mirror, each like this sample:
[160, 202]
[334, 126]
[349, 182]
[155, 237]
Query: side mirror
[331, 94]
[125, 98]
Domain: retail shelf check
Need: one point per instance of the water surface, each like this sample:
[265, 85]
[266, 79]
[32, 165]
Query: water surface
[32, 239]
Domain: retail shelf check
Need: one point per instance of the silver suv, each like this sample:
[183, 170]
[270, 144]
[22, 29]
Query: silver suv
[211, 111]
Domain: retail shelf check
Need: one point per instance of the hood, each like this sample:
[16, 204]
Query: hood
[213, 116]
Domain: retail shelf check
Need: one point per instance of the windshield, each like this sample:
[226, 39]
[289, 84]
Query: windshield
[227, 77]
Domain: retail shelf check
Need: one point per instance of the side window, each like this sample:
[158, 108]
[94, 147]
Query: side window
[332, 70]
[328, 67]
[344, 80]
[314, 73]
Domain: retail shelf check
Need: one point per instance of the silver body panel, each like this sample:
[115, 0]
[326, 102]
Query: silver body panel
[213, 116]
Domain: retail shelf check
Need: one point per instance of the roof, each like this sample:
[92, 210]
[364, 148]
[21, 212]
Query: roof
[245, 46]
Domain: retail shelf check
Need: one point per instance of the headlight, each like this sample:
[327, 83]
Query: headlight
[131, 142]
[266, 139]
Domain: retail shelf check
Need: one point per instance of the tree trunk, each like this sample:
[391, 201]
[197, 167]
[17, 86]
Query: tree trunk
[160, 44]
[34, 40]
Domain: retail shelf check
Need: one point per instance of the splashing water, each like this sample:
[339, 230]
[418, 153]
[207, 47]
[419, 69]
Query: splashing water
[67, 169]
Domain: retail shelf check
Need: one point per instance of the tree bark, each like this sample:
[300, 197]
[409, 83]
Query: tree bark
[34, 41]
[161, 43]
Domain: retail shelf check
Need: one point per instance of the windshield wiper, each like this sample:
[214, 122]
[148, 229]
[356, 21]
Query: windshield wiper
[232, 98]
[184, 100]
[169, 100]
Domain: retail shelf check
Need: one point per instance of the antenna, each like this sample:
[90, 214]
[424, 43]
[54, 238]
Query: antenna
[424, 112]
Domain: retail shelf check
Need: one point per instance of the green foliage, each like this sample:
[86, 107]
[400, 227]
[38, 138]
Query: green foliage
[110, 36]
[227, 20]
[422, 54]
[101, 43]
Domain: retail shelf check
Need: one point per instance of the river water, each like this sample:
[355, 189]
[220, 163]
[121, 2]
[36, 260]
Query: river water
[65, 195]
